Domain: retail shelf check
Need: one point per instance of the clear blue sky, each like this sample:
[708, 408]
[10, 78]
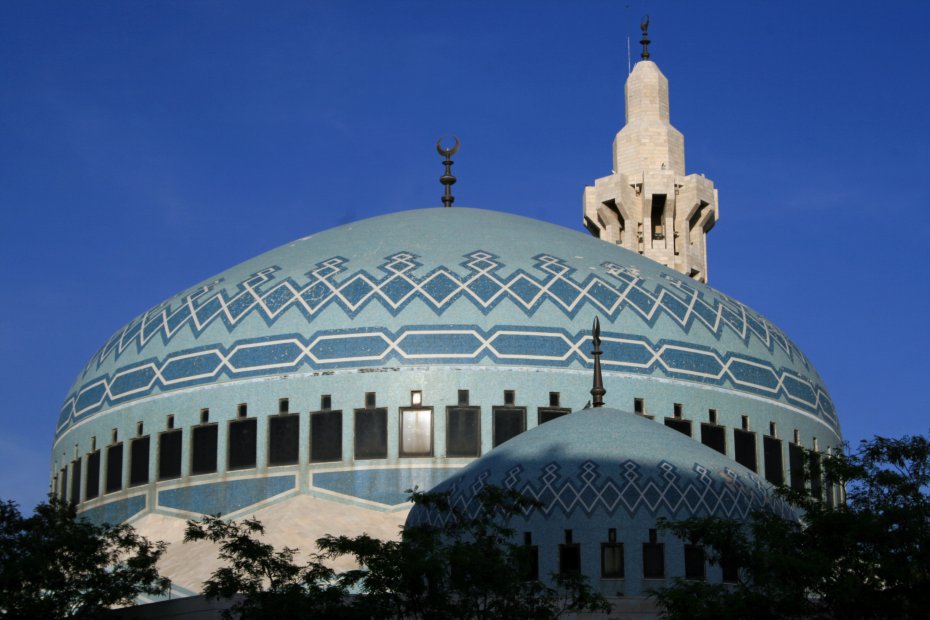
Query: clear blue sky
[145, 146]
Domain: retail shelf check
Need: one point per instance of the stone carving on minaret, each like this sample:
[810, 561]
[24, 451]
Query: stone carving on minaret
[649, 205]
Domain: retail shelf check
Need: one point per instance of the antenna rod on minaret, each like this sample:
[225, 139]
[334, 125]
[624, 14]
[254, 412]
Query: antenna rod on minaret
[629, 63]
[644, 26]
[598, 390]
[447, 179]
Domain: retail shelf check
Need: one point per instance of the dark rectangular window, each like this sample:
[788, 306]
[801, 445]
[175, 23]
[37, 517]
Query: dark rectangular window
[639, 406]
[682, 426]
[816, 475]
[677, 410]
[284, 439]
[169, 454]
[63, 480]
[463, 398]
[570, 559]
[510, 397]
[694, 562]
[326, 402]
[713, 436]
[114, 468]
[508, 423]
[796, 465]
[92, 483]
[730, 570]
[139, 461]
[75, 481]
[203, 456]
[612, 560]
[243, 435]
[371, 433]
[326, 436]
[416, 431]
[744, 448]
[463, 431]
[284, 405]
[774, 469]
[554, 398]
[530, 558]
[653, 560]
[550, 413]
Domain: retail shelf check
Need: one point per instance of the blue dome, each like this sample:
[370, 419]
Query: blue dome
[603, 467]
[447, 286]
[602, 479]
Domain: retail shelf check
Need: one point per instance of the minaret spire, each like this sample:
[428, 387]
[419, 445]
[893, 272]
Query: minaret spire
[649, 204]
[598, 391]
[447, 179]
[644, 26]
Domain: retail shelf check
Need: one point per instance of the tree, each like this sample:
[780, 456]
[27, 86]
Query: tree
[272, 585]
[868, 557]
[466, 568]
[55, 564]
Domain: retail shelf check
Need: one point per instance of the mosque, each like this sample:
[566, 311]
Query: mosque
[452, 348]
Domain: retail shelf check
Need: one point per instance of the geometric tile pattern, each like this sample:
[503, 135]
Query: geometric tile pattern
[116, 511]
[443, 344]
[225, 497]
[384, 486]
[482, 283]
[627, 488]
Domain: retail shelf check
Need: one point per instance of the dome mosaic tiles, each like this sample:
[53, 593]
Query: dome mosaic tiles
[410, 289]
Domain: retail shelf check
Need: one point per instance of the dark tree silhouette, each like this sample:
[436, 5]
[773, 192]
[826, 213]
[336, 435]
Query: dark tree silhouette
[866, 558]
[54, 564]
[466, 568]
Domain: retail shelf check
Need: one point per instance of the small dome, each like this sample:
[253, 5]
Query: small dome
[609, 468]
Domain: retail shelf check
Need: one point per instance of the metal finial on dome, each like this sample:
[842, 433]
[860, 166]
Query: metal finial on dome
[644, 26]
[447, 179]
[598, 390]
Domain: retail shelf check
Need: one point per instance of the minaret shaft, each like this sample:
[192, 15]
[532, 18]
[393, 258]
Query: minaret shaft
[649, 205]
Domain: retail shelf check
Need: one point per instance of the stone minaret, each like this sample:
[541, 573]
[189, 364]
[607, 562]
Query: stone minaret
[648, 204]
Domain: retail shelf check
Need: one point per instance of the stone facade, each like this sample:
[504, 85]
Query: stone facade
[648, 205]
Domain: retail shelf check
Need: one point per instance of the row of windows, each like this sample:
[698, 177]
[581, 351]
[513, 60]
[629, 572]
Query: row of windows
[370, 441]
[613, 562]
[463, 439]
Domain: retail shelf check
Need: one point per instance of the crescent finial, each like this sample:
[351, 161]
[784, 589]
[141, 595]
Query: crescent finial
[448, 152]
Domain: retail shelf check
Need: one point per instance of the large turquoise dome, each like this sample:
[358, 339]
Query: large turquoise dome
[312, 385]
[466, 287]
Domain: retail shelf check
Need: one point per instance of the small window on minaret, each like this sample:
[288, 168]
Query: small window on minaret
[658, 216]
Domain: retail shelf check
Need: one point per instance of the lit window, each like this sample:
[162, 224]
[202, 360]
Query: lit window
[416, 432]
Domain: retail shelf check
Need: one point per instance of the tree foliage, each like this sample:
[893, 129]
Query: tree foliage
[466, 568]
[54, 564]
[868, 557]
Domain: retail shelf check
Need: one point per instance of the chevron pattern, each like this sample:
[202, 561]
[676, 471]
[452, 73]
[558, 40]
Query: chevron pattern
[444, 344]
[482, 283]
[627, 489]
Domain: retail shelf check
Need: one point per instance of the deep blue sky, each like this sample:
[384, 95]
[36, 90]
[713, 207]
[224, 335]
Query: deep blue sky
[145, 146]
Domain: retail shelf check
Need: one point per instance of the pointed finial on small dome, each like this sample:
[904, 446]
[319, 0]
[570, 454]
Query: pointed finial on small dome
[644, 26]
[598, 390]
[447, 179]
